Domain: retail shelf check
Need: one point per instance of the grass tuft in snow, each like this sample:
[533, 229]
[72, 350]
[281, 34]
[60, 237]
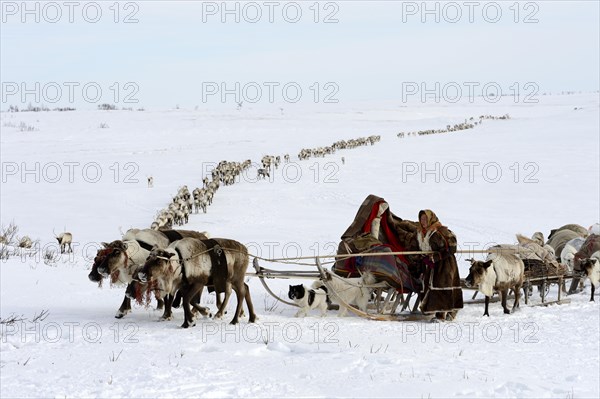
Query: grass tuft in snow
[114, 357]
[379, 348]
[12, 319]
[271, 304]
[50, 257]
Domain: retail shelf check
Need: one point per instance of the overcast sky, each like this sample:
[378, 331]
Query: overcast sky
[183, 53]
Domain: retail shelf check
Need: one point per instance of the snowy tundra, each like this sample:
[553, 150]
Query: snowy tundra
[536, 171]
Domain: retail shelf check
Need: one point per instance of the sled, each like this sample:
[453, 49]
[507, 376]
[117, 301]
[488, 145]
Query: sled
[378, 309]
[390, 304]
[371, 245]
[382, 308]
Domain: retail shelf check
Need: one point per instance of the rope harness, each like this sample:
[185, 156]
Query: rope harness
[338, 257]
[218, 260]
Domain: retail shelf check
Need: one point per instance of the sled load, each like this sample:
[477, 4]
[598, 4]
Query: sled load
[375, 229]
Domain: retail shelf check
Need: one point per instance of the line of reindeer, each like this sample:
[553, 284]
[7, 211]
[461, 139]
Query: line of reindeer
[225, 173]
[184, 203]
[307, 153]
[467, 124]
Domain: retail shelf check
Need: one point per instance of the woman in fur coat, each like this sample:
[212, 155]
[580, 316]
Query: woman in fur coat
[442, 294]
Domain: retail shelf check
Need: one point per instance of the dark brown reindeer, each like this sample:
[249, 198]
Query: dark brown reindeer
[189, 265]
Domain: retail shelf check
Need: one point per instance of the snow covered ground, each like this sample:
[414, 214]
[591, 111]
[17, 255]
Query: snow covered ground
[533, 172]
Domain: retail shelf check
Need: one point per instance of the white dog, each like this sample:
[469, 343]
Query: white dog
[350, 291]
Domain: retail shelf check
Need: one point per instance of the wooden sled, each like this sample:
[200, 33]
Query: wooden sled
[378, 307]
[376, 310]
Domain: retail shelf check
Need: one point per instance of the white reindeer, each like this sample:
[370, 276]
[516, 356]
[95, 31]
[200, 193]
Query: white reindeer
[64, 239]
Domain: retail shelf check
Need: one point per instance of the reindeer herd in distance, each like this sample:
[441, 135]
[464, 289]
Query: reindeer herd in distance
[185, 203]
[227, 173]
[467, 124]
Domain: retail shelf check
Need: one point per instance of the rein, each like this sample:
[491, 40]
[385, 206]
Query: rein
[191, 257]
[181, 268]
[345, 256]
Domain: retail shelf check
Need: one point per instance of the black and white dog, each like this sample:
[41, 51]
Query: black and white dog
[308, 298]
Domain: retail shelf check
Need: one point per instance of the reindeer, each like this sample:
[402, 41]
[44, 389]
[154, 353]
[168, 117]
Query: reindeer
[121, 259]
[190, 264]
[263, 172]
[591, 270]
[200, 203]
[25, 242]
[499, 272]
[210, 193]
[64, 239]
